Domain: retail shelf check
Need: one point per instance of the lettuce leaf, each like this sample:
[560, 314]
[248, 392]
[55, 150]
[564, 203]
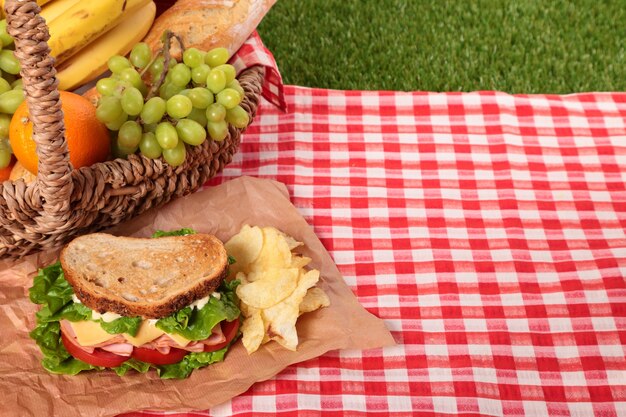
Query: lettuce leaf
[51, 289]
[190, 362]
[180, 232]
[56, 358]
[132, 363]
[128, 325]
[71, 311]
[194, 324]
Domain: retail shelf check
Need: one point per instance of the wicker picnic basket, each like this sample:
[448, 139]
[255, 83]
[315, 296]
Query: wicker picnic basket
[64, 202]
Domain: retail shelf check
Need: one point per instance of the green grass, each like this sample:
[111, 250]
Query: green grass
[518, 46]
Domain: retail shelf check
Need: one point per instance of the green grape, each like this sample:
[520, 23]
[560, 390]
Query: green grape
[229, 72]
[17, 84]
[150, 127]
[117, 123]
[132, 101]
[168, 91]
[4, 86]
[218, 130]
[216, 80]
[8, 62]
[179, 106]
[200, 97]
[106, 86]
[237, 117]
[10, 101]
[109, 109]
[140, 55]
[130, 75]
[129, 135]
[5, 155]
[228, 98]
[10, 78]
[180, 75]
[157, 67]
[184, 92]
[199, 115]
[200, 73]
[190, 131]
[234, 84]
[176, 155]
[4, 36]
[215, 112]
[193, 57]
[117, 64]
[5, 121]
[215, 57]
[149, 146]
[120, 151]
[166, 135]
[153, 110]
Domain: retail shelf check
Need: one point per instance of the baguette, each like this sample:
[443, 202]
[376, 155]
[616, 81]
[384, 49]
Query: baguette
[208, 24]
[151, 278]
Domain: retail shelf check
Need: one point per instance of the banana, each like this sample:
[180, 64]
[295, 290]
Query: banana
[39, 2]
[51, 10]
[55, 9]
[85, 21]
[92, 61]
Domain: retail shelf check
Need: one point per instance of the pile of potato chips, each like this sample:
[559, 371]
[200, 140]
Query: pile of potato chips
[275, 288]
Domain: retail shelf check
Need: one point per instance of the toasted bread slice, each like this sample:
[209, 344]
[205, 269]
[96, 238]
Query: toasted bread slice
[151, 278]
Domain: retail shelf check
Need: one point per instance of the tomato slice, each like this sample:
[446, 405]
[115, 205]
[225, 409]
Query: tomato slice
[155, 357]
[99, 357]
[229, 328]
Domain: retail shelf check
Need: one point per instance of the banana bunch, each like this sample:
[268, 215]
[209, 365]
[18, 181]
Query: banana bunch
[85, 33]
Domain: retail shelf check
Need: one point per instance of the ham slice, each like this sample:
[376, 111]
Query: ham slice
[118, 345]
[122, 349]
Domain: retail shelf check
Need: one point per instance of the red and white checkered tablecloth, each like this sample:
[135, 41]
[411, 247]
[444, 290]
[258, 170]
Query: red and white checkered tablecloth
[486, 229]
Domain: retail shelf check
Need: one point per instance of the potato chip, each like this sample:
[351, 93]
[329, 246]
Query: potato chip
[282, 317]
[253, 330]
[275, 252]
[245, 247]
[243, 279]
[299, 261]
[291, 242]
[273, 286]
[314, 299]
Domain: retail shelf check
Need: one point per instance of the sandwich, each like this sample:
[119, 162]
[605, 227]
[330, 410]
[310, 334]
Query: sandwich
[125, 303]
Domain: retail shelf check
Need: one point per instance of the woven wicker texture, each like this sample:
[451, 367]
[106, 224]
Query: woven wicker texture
[64, 202]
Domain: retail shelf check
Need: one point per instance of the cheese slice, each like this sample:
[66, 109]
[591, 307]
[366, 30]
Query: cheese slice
[90, 333]
[179, 339]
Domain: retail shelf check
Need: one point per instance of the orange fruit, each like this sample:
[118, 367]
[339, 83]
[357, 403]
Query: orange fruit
[5, 173]
[87, 138]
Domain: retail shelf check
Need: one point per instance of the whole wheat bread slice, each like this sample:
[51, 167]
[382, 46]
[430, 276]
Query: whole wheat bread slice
[151, 278]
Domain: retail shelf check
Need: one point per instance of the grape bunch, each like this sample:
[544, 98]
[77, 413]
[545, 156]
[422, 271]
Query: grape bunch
[11, 94]
[183, 104]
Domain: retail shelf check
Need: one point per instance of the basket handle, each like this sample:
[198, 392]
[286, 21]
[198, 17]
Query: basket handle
[31, 34]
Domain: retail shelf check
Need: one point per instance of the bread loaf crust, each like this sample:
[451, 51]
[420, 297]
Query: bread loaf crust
[150, 278]
[208, 24]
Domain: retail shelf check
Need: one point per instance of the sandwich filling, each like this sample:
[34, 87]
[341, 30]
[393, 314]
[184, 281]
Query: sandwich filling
[68, 331]
[89, 335]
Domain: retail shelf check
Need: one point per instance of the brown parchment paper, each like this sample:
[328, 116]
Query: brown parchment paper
[26, 389]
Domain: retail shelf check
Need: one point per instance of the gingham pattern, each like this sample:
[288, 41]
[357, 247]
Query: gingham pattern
[253, 52]
[486, 229]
